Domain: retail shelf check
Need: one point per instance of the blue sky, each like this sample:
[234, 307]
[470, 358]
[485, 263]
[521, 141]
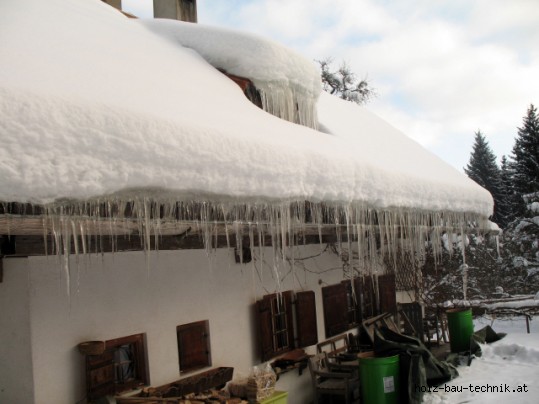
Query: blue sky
[442, 69]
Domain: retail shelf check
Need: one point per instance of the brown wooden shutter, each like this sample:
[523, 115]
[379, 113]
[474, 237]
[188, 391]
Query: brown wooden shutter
[265, 330]
[368, 297]
[335, 309]
[194, 345]
[387, 291]
[307, 328]
[100, 374]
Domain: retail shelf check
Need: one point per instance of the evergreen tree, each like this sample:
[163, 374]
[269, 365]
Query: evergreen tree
[520, 251]
[483, 169]
[525, 164]
[507, 201]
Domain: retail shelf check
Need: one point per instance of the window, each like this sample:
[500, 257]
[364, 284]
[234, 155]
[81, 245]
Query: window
[125, 369]
[280, 328]
[122, 366]
[275, 324]
[194, 345]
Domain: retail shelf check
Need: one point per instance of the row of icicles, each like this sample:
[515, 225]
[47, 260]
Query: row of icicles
[371, 233]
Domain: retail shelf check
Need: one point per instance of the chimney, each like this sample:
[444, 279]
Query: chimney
[114, 3]
[183, 10]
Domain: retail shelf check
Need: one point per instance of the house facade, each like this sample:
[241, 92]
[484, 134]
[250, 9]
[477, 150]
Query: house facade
[113, 295]
[151, 212]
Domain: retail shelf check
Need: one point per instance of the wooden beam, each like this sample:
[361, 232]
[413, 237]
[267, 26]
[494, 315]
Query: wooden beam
[38, 245]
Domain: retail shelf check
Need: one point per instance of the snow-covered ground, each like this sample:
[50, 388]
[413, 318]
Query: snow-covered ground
[507, 372]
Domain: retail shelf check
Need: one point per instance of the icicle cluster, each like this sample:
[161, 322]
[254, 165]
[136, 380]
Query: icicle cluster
[290, 103]
[78, 228]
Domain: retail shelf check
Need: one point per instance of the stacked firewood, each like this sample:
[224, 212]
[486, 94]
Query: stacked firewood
[153, 396]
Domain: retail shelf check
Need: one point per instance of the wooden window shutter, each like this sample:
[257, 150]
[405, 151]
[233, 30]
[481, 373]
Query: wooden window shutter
[387, 291]
[368, 295]
[194, 345]
[307, 330]
[335, 309]
[100, 375]
[265, 329]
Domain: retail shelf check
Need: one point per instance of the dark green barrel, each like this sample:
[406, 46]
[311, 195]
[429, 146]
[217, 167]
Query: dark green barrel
[379, 379]
[459, 322]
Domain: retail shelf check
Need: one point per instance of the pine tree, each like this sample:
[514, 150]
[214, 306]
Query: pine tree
[507, 201]
[483, 169]
[525, 164]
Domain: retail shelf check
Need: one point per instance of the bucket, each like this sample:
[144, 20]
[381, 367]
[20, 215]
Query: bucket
[379, 379]
[459, 322]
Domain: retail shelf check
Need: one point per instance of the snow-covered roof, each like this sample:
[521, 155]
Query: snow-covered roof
[96, 107]
[289, 84]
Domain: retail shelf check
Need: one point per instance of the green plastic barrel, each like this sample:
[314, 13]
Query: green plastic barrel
[459, 322]
[379, 379]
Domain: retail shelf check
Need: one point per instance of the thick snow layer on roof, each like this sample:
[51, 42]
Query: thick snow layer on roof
[94, 104]
[288, 83]
[243, 54]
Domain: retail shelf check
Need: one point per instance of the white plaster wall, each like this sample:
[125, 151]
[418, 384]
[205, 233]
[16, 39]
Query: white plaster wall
[16, 381]
[115, 295]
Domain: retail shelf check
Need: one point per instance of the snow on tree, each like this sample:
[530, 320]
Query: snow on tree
[344, 83]
[476, 269]
[483, 169]
[515, 188]
[508, 199]
[520, 243]
[525, 164]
